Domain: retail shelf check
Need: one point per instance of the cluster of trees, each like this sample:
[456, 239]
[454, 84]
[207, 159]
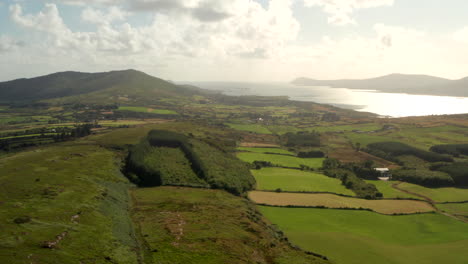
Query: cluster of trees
[390, 151]
[451, 149]
[302, 139]
[423, 177]
[457, 170]
[220, 169]
[311, 154]
[334, 168]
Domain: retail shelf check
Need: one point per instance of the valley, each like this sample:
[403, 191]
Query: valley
[123, 167]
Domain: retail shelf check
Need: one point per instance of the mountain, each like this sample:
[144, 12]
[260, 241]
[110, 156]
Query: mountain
[397, 83]
[109, 86]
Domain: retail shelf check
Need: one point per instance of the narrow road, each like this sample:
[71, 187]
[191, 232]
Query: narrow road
[429, 200]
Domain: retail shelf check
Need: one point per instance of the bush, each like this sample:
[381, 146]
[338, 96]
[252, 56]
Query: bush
[358, 186]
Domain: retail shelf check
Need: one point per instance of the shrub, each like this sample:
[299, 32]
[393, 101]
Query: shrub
[358, 186]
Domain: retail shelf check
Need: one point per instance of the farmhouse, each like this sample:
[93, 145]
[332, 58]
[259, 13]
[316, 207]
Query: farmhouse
[385, 174]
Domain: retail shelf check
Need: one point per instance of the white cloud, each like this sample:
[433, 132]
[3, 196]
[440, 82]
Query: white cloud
[8, 44]
[461, 35]
[96, 16]
[251, 42]
[340, 11]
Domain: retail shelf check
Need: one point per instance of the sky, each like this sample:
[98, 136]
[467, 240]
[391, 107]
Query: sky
[235, 40]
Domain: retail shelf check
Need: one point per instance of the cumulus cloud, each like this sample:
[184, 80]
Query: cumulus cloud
[461, 35]
[249, 29]
[9, 44]
[340, 11]
[96, 16]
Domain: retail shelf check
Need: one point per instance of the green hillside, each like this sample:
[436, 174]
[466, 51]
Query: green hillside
[106, 87]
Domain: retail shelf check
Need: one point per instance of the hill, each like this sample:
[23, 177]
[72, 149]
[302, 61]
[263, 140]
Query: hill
[397, 83]
[108, 86]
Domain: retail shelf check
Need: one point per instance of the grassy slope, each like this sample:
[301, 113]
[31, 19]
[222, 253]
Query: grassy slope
[281, 160]
[385, 187]
[459, 209]
[296, 180]
[182, 225]
[448, 194]
[359, 237]
[53, 184]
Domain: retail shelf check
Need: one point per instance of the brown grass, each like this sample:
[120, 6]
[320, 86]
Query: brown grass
[335, 201]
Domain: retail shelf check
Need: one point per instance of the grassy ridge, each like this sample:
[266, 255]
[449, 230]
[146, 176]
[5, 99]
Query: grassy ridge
[360, 237]
[296, 180]
[182, 225]
[172, 166]
[77, 189]
[212, 165]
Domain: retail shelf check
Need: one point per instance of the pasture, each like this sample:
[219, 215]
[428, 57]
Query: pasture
[255, 128]
[385, 187]
[147, 110]
[281, 160]
[361, 237]
[335, 201]
[446, 194]
[297, 181]
[266, 150]
[457, 209]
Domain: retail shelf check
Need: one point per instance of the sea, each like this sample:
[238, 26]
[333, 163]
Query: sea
[383, 104]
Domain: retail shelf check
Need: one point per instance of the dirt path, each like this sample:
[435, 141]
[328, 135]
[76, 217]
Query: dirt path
[429, 200]
[397, 187]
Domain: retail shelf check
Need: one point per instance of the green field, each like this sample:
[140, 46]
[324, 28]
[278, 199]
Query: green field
[385, 187]
[448, 194]
[163, 112]
[147, 110]
[281, 160]
[256, 128]
[422, 138]
[458, 209]
[296, 180]
[266, 150]
[360, 127]
[360, 237]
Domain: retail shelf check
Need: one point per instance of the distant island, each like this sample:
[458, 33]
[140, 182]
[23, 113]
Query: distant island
[397, 83]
